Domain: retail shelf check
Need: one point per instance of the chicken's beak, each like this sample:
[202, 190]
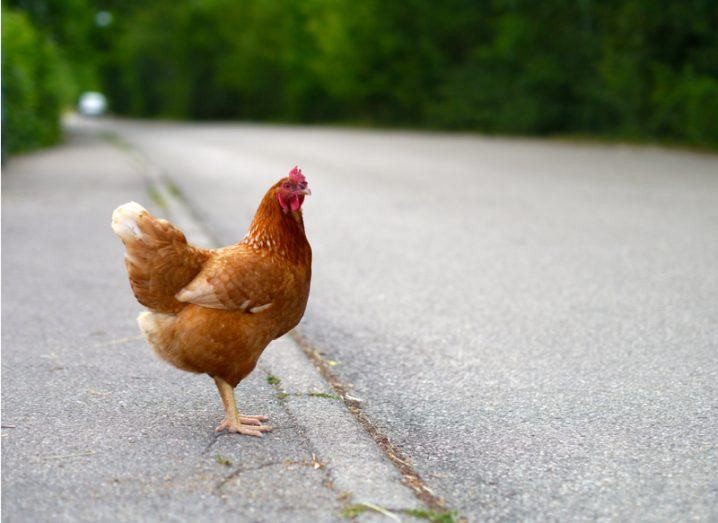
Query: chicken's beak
[306, 191]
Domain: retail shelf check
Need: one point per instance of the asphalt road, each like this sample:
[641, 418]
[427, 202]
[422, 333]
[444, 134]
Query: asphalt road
[534, 324]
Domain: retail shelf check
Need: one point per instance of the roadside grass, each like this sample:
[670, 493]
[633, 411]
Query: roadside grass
[357, 509]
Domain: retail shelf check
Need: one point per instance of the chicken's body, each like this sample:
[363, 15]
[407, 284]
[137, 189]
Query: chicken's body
[215, 311]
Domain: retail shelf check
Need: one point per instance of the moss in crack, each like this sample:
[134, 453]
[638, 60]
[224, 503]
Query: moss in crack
[156, 197]
[433, 515]
[322, 395]
[173, 189]
[353, 511]
[223, 460]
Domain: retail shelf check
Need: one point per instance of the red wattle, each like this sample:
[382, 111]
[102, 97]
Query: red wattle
[295, 203]
[282, 203]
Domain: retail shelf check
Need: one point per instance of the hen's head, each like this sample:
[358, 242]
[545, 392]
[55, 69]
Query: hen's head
[291, 190]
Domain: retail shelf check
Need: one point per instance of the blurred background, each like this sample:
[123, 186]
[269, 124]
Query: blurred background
[618, 69]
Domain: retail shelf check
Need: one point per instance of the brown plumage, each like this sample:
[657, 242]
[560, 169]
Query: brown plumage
[215, 311]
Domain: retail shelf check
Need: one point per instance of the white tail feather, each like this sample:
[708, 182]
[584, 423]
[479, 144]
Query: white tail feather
[124, 221]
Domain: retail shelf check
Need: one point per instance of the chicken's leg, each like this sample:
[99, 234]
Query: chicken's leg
[233, 422]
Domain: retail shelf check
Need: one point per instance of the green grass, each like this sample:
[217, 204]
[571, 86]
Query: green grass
[433, 516]
[273, 380]
[353, 511]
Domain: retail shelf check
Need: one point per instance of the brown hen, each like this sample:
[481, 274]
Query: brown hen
[215, 311]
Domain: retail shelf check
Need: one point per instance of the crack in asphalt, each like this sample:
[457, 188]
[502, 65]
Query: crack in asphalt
[410, 477]
[240, 470]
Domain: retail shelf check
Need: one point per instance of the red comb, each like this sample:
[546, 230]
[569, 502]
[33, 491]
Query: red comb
[296, 175]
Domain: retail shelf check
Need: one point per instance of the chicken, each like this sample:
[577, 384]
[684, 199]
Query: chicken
[215, 311]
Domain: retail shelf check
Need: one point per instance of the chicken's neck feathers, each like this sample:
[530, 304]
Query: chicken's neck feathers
[277, 232]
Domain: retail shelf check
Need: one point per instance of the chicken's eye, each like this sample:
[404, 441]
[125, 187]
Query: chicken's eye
[287, 186]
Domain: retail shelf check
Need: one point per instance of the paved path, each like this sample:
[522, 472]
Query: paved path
[534, 324]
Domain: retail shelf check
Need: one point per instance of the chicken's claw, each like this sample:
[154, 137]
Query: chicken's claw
[251, 419]
[248, 425]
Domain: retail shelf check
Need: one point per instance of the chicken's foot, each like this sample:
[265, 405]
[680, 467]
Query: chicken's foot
[251, 425]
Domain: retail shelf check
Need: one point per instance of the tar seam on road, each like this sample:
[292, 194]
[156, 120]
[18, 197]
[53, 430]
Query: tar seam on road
[166, 196]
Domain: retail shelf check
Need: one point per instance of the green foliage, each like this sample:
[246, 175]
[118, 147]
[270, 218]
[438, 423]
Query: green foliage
[636, 69]
[35, 85]
[686, 106]
[70, 25]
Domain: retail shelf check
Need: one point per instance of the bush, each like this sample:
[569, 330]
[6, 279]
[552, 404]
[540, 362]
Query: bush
[34, 85]
[636, 69]
[686, 107]
[619, 68]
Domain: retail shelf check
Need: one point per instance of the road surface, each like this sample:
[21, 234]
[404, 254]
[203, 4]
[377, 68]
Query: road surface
[534, 324]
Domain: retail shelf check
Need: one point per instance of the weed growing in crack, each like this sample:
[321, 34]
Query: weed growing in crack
[223, 460]
[433, 516]
[323, 395]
